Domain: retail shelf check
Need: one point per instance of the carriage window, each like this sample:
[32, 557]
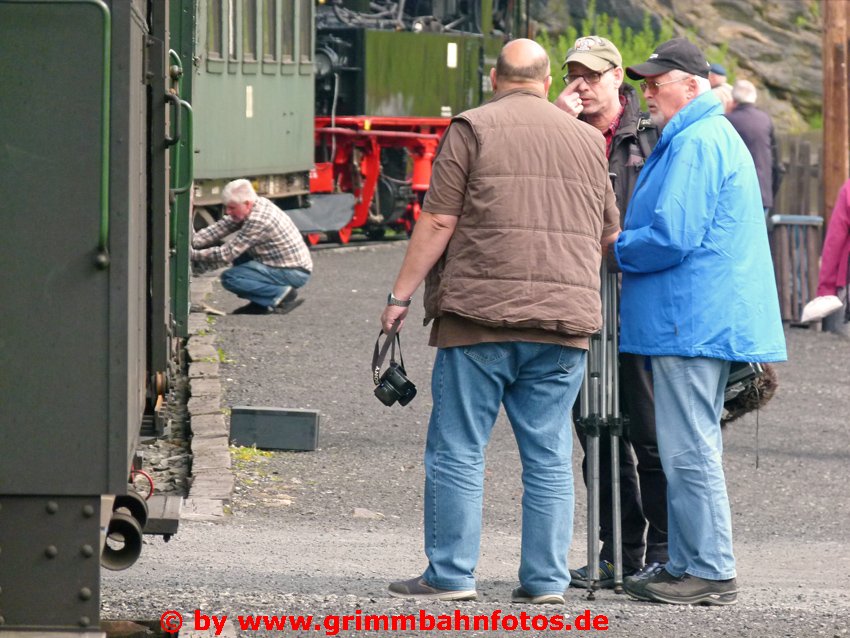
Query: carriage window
[269, 30]
[287, 36]
[214, 29]
[231, 30]
[306, 31]
[249, 30]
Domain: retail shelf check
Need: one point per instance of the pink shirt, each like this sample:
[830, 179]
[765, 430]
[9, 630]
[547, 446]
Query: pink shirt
[836, 246]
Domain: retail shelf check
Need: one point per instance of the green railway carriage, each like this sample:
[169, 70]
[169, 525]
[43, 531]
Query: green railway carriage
[253, 91]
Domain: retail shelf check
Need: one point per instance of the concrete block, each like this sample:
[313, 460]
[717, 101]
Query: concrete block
[274, 428]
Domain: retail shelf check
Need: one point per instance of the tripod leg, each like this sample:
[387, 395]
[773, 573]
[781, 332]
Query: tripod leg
[592, 515]
[616, 424]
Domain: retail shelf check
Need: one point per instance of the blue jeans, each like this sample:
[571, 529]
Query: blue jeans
[688, 405]
[264, 285]
[538, 384]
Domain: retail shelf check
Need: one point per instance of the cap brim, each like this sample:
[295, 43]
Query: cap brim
[589, 60]
[647, 70]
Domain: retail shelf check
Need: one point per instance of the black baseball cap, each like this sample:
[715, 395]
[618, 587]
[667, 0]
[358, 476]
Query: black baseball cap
[677, 53]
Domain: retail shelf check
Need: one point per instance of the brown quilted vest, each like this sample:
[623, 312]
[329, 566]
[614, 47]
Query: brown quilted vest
[526, 250]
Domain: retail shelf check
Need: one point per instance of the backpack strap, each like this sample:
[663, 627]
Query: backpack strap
[647, 134]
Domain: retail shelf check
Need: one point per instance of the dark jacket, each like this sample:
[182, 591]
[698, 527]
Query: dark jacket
[756, 129]
[633, 142]
[526, 250]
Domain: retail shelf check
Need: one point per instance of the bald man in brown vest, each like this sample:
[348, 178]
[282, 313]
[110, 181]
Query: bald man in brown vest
[509, 244]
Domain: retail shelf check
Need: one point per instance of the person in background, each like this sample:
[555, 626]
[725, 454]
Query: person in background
[717, 75]
[269, 258]
[833, 277]
[698, 292]
[724, 94]
[596, 94]
[756, 129]
[509, 239]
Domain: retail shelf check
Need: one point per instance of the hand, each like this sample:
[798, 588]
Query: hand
[569, 100]
[391, 315]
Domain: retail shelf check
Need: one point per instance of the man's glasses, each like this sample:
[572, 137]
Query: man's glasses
[652, 84]
[590, 78]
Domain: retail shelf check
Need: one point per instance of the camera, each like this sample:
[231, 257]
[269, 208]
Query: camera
[394, 386]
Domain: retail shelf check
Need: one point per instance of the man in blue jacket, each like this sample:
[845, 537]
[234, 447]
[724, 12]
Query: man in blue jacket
[698, 293]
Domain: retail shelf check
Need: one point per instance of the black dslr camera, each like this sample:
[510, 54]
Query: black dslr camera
[393, 385]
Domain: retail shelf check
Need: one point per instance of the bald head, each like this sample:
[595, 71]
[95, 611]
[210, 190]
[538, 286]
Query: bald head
[522, 62]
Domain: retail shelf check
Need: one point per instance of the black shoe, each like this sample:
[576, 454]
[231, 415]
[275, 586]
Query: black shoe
[289, 297]
[648, 570]
[636, 587]
[692, 590]
[253, 309]
[579, 577]
[287, 306]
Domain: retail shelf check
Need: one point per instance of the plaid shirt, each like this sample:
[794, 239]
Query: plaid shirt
[267, 235]
[612, 128]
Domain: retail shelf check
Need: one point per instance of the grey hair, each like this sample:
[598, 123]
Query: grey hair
[238, 191]
[744, 92]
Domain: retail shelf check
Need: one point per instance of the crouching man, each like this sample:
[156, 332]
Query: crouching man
[270, 259]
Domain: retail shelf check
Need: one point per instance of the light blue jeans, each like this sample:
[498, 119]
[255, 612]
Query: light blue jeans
[262, 284]
[688, 405]
[538, 384]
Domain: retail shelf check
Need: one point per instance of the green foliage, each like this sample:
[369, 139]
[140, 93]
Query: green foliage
[815, 121]
[251, 454]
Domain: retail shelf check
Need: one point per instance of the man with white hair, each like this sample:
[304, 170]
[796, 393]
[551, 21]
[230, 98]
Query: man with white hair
[270, 259]
[756, 129]
[698, 293]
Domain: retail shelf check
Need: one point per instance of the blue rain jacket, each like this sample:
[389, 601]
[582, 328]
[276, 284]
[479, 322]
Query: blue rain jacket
[697, 272]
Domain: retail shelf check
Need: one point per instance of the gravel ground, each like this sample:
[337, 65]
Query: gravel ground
[323, 532]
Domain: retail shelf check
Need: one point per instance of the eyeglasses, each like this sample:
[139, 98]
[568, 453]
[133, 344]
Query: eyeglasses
[652, 84]
[590, 78]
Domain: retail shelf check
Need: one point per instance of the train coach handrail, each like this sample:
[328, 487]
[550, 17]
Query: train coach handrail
[179, 190]
[174, 100]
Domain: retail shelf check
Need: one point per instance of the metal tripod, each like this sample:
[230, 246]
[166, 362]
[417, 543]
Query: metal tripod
[600, 415]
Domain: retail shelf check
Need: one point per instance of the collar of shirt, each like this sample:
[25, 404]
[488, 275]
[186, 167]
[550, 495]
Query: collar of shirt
[612, 128]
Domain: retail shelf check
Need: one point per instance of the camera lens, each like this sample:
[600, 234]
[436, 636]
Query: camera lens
[386, 395]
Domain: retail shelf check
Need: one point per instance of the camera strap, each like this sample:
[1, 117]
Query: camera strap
[381, 352]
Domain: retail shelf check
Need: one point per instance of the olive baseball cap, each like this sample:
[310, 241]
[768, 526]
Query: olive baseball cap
[597, 54]
[677, 53]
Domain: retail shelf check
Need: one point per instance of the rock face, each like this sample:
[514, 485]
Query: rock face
[774, 43]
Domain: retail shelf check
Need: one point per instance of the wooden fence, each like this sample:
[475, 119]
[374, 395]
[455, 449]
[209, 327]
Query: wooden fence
[796, 223]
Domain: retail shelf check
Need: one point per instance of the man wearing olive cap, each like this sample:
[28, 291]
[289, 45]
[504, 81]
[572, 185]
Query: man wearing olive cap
[596, 94]
[698, 293]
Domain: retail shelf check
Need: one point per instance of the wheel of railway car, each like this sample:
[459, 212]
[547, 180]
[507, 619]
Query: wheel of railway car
[123, 544]
[134, 504]
[341, 236]
[376, 233]
[202, 217]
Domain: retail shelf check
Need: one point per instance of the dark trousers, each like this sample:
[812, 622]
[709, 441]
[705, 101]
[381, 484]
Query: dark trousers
[643, 488]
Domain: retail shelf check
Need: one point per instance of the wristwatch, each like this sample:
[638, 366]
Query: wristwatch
[395, 301]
